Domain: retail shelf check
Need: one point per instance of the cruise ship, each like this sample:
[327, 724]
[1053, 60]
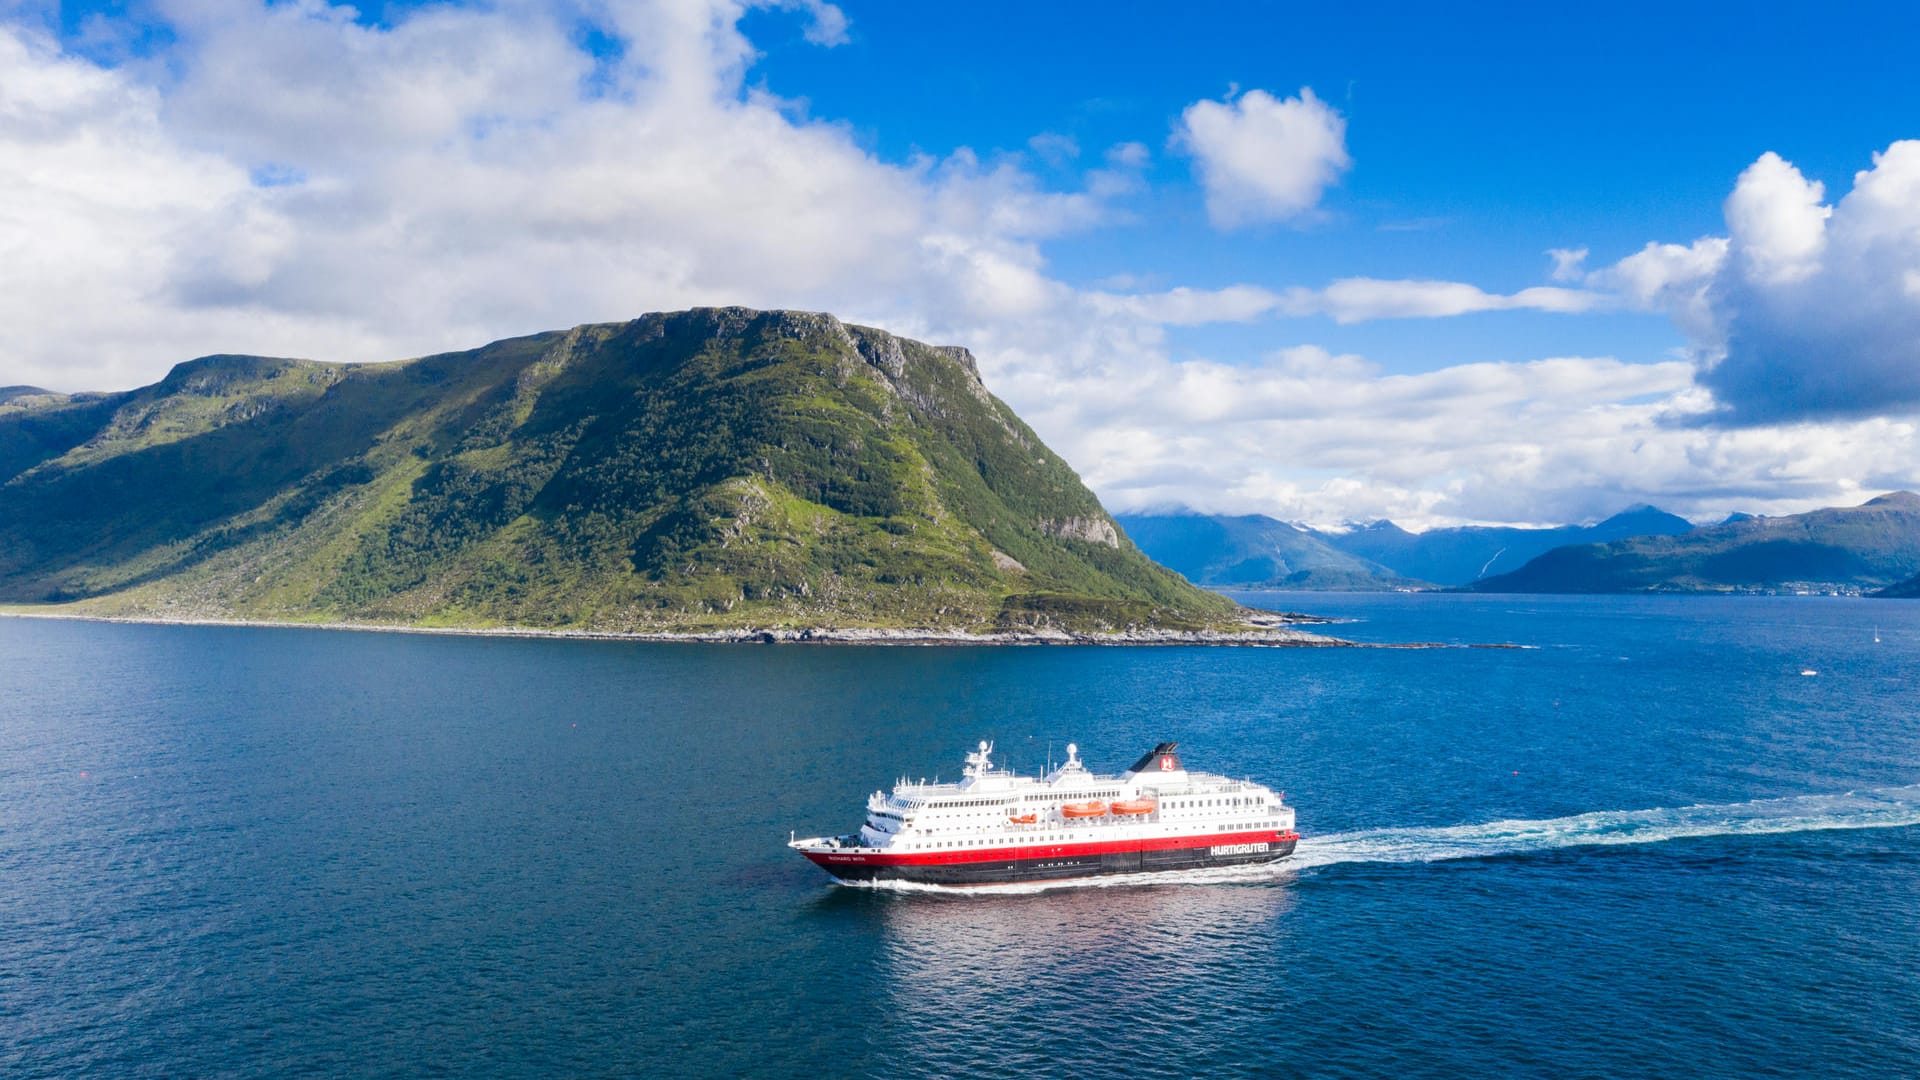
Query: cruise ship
[994, 827]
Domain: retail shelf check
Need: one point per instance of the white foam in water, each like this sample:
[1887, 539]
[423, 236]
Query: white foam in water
[1880, 808]
[1873, 809]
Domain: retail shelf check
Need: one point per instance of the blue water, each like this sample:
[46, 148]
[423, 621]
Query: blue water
[1644, 846]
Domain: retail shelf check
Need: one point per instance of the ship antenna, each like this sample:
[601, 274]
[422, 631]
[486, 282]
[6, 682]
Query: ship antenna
[980, 762]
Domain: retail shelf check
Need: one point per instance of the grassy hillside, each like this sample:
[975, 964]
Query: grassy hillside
[699, 470]
[1867, 546]
[1252, 551]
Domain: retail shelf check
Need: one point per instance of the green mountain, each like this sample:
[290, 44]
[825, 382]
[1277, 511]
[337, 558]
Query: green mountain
[1866, 546]
[1459, 556]
[1252, 551]
[1905, 590]
[709, 469]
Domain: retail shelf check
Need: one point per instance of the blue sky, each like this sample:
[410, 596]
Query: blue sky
[1244, 257]
[1480, 139]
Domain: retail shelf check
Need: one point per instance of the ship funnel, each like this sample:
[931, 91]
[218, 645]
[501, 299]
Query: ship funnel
[1162, 758]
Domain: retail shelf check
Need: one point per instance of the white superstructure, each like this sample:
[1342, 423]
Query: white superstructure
[989, 807]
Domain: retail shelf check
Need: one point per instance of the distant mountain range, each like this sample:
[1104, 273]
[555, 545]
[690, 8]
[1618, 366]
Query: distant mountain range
[1255, 551]
[701, 470]
[1460, 556]
[1641, 550]
[1860, 547]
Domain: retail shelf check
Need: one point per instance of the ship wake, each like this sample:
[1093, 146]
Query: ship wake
[1878, 808]
[1875, 808]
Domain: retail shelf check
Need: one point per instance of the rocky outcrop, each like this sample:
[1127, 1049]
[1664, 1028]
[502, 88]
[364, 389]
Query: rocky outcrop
[1087, 530]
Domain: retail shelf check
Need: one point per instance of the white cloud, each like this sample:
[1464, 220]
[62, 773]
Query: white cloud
[827, 25]
[1803, 310]
[1659, 274]
[1348, 300]
[284, 179]
[1669, 277]
[1777, 222]
[1054, 148]
[1352, 300]
[1262, 158]
[462, 175]
[1569, 264]
[1312, 436]
[1184, 306]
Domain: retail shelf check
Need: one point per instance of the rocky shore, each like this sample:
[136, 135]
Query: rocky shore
[1269, 631]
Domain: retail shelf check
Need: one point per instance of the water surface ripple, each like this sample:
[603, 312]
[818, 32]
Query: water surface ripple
[1648, 847]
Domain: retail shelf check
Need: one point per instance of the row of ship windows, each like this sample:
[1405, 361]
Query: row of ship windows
[1182, 803]
[1023, 842]
[1237, 802]
[965, 803]
[1048, 838]
[1177, 804]
[1114, 794]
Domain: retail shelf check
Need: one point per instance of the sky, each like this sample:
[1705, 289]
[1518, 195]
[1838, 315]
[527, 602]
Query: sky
[1513, 265]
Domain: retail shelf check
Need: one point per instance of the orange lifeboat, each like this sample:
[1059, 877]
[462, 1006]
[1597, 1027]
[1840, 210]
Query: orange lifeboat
[1023, 819]
[1133, 806]
[1083, 809]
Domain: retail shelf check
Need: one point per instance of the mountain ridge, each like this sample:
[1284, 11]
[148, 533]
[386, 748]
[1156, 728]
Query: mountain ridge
[1253, 551]
[1258, 551]
[1459, 555]
[1874, 544]
[712, 469]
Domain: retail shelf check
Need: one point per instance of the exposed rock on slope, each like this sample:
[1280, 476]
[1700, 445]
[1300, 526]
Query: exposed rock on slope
[710, 469]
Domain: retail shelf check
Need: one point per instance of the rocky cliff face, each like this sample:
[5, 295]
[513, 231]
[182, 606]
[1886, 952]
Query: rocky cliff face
[691, 470]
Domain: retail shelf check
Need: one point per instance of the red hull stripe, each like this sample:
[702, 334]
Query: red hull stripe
[1044, 851]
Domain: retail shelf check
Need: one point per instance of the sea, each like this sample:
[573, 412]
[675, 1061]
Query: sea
[1655, 837]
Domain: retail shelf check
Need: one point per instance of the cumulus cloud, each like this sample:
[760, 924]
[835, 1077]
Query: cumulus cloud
[1673, 278]
[289, 179]
[1777, 221]
[1318, 437]
[1815, 316]
[300, 182]
[1804, 309]
[1262, 158]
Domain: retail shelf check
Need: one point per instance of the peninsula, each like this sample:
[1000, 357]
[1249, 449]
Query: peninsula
[719, 473]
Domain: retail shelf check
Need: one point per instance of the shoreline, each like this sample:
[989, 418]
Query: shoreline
[1278, 636]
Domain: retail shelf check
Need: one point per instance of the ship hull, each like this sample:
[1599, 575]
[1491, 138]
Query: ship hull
[1059, 862]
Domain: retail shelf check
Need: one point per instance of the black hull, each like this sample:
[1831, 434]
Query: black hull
[1065, 867]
